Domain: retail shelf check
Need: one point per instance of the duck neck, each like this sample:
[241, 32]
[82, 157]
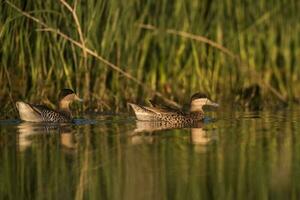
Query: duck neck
[64, 108]
[196, 109]
[196, 114]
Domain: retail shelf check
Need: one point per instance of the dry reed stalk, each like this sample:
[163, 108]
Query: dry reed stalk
[223, 49]
[92, 53]
[82, 40]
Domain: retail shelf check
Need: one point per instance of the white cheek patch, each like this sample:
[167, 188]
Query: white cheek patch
[197, 104]
[200, 102]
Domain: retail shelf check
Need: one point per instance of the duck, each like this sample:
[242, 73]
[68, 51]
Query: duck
[41, 113]
[174, 116]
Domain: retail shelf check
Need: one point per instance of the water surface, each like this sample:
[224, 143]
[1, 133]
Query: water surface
[241, 155]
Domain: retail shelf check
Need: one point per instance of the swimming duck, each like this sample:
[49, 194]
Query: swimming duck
[41, 113]
[172, 115]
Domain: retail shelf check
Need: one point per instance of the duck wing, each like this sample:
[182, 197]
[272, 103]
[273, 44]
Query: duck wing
[144, 113]
[160, 110]
[50, 115]
[164, 108]
[39, 113]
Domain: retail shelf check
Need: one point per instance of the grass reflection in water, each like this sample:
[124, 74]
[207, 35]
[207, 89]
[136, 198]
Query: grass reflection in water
[240, 156]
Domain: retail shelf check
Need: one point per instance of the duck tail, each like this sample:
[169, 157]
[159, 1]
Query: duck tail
[141, 113]
[27, 113]
[136, 108]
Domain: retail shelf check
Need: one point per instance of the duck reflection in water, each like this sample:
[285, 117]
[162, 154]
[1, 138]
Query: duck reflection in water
[147, 132]
[29, 131]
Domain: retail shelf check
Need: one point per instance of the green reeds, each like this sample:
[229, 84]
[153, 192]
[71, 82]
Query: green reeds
[217, 47]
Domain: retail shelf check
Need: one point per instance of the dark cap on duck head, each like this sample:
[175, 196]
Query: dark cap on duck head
[199, 99]
[66, 92]
[198, 95]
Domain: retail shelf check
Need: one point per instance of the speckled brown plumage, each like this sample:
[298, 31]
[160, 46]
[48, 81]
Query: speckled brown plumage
[177, 118]
[40, 113]
[49, 115]
[174, 116]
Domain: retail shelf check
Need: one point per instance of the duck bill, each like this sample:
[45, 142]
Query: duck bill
[78, 99]
[213, 104]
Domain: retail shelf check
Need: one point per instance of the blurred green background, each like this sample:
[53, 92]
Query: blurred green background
[263, 38]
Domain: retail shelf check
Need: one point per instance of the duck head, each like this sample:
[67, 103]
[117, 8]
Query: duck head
[199, 100]
[67, 96]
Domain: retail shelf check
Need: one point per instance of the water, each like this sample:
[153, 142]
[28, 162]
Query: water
[240, 155]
